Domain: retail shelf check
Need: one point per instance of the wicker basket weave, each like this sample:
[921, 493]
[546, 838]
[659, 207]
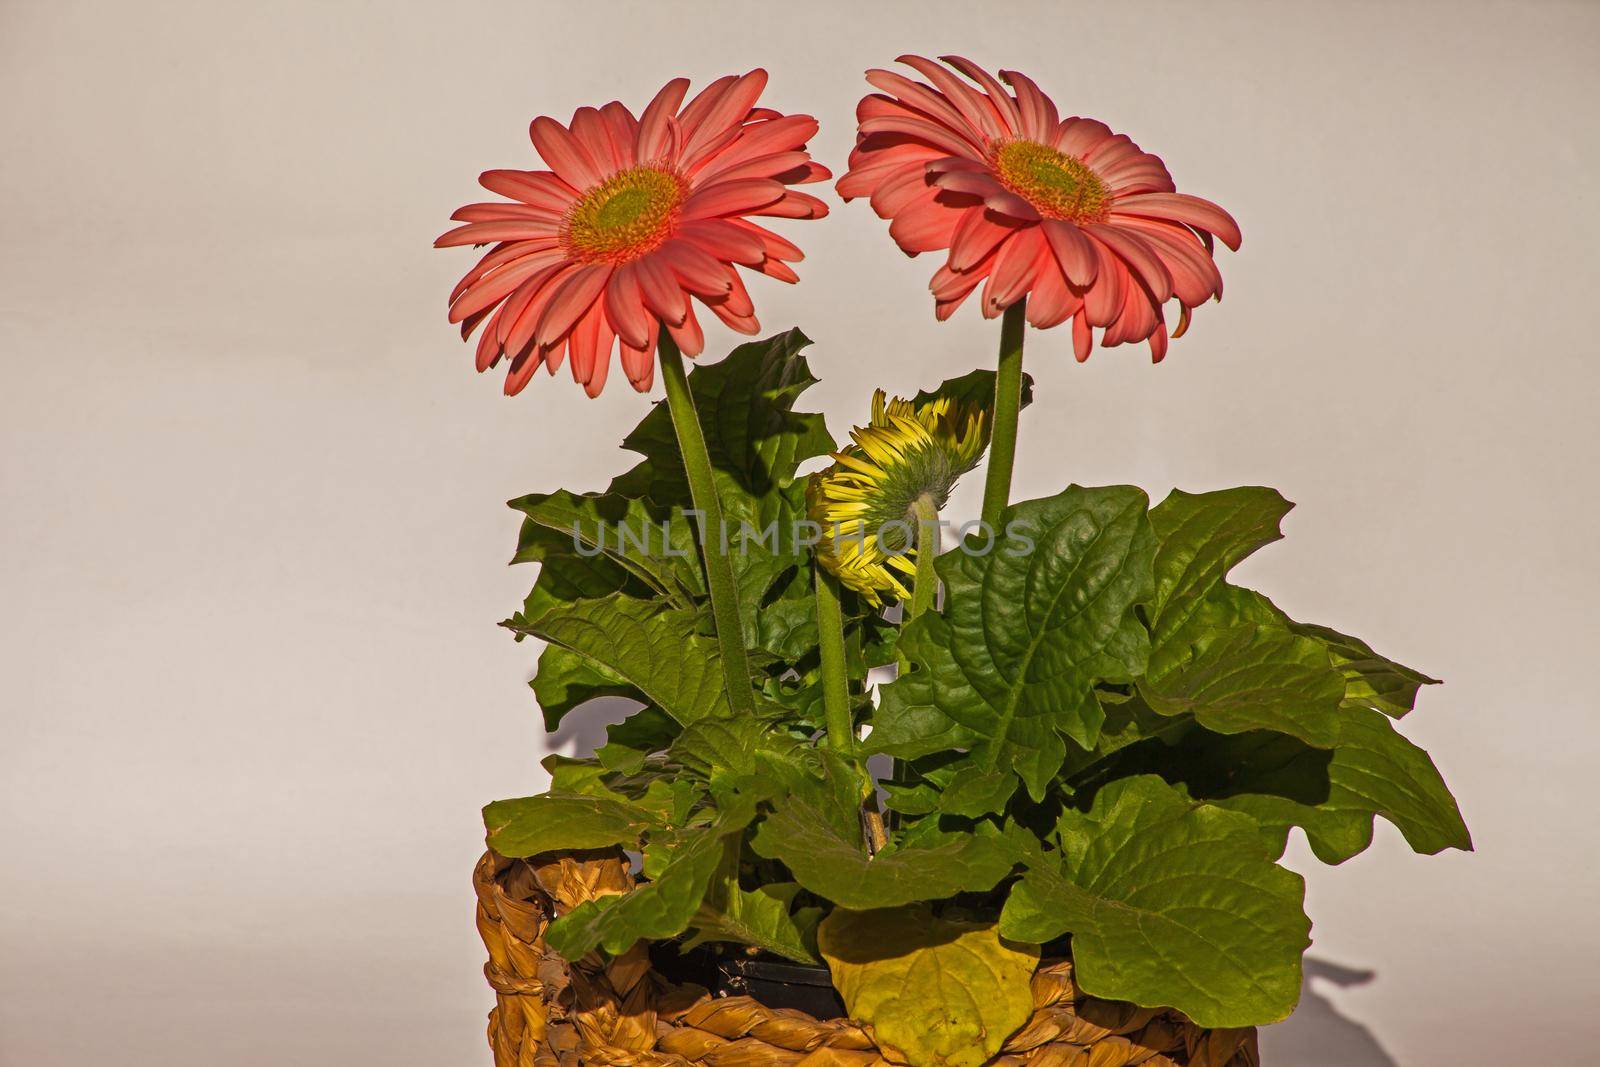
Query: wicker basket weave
[621, 1013]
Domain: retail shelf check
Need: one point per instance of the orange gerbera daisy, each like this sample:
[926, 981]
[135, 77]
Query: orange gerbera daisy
[634, 216]
[1065, 213]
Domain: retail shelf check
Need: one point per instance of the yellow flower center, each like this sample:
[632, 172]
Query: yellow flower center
[625, 216]
[1059, 186]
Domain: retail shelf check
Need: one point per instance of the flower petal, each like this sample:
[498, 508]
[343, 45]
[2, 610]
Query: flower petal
[977, 234]
[624, 307]
[1180, 207]
[1073, 250]
[723, 240]
[1139, 255]
[539, 188]
[980, 114]
[695, 270]
[732, 198]
[662, 294]
[654, 133]
[561, 150]
[569, 303]
[639, 364]
[1010, 117]
[1039, 115]
[925, 225]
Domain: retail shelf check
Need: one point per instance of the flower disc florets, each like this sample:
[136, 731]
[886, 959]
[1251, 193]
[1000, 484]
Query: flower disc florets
[626, 216]
[899, 467]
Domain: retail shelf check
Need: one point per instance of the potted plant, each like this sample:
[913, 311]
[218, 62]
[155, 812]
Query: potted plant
[1053, 836]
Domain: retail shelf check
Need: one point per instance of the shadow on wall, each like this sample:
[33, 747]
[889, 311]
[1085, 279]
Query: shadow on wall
[584, 729]
[1316, 1035]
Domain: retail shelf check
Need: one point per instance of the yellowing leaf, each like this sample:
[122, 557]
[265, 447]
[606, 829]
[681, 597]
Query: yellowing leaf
[936, 993]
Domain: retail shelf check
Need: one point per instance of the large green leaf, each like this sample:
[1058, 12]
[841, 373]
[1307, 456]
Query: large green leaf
[1280, 782]
[630, 742]
[1373, 681]
[766, 553]
[1169, 903]
[654, 545]
[565, 680]
[680, 865]
[816, 833]
[936, 992]
[746, 406]
[974, 387]
[656, 650]
[1202, 536]
[1214, 653]
[552, 822]
[1009, 667]
[1253, 678]
[569, 570]
[744, 747]
[764, 917]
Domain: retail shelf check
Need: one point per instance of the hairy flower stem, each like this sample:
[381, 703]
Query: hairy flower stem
[926, 583]
[1007, 402]
[835, 678]
[703, 490]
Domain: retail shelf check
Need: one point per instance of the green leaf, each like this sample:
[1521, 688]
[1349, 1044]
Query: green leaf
[630, 742]
[764, 549]
[974, 791]
[1009, 667]
[655, 649]
[1215, 652]
[554, 822]
[565, 573]
[1202, 536]
[764, 917]
[745, 404]
[816, 833]
[570, 774]
[655, 545]
[743, 747]
[1169, 903]
[1371, 771]
[1253, 678]
[974, 387]
[936, 992]
[680, 864]
[1373, 681]
[566, 680]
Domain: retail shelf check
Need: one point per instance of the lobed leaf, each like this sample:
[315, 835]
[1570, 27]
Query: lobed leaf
[1009, 666]
[763, 917]
[657, 650]
[554, 822]
[936, 992]
[1169, 903]
[816, 833]
[680, 864]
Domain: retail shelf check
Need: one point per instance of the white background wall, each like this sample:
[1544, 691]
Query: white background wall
[253, 539]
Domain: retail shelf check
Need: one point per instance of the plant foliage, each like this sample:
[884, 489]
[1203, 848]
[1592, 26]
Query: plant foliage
[1098, 737]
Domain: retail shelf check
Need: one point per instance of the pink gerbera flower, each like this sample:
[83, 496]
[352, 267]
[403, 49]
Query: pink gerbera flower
[1065, 213]
[634, 216]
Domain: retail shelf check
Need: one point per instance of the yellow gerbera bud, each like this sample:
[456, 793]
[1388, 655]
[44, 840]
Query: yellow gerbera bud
[905, 461]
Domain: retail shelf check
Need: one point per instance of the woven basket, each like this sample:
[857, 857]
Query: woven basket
[621, 1013]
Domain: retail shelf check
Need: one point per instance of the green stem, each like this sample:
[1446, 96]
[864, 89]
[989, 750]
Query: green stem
[835, 680]
[926, 583]
[1007, 402]
[703, 490]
